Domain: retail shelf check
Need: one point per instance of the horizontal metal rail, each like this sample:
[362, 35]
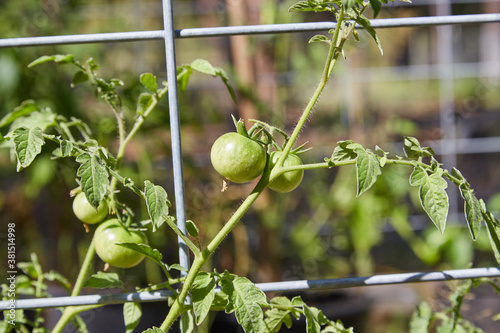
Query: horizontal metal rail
[285, 286]
[242, 30]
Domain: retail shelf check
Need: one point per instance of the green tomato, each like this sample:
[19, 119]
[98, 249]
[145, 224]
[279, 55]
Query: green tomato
[86, 213]
[111, 232]
[287, 181]
[238, 158]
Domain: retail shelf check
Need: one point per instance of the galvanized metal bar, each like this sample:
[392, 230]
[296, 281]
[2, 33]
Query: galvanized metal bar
[242, 30]
[175, 132]
[285, 286]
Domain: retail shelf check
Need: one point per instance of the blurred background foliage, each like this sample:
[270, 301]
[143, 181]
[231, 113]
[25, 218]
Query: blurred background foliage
[320, 230]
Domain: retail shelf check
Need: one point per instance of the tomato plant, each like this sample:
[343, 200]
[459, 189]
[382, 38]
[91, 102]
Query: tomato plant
[287, 181]
[238, 158]
[106, 239]
[86, 213]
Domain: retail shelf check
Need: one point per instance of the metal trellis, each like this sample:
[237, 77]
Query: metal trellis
[169, 35]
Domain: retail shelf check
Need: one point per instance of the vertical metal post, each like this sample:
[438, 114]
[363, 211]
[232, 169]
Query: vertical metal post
[175, 129]
[447, 97]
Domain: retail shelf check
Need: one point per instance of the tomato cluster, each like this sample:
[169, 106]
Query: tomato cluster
[109, 233]
[242, 159]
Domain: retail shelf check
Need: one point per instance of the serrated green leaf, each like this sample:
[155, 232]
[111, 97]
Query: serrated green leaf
[472, 209]
[312, 321]
[225, 79]
[367, 25]
[344, 152]
[66, 148]
[41, 60]
[376, 6]
[22, 110]
[132, 313]
[276, 316]
[412, 147]
[41, 119]
[27, 144]
[157, 203]
[144, 249]
[192, 229]
[418, 176]
[319, 38]
[187, 322]
[93, 177]
[102, 280]
[244, 298]
[64, 58]
[203, 66]
[177, 267]
[79, 77]
[148, 80]
[367, 169]
[202, 295]
[493, 227]
[143, 102]
[434, 199]
[421, 319]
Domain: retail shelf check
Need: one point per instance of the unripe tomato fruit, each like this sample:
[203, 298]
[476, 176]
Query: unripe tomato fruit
[287, 181]
[111, 232]
[86, 213]
[238, 158]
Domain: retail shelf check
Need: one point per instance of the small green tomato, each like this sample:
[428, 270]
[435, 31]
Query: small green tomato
[287, 181]
[111, 232]
[238, 158]
[86, 213]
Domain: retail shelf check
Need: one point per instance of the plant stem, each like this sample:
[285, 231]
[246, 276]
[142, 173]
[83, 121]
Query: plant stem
[70, 311]
[331, 59]
[200, 259]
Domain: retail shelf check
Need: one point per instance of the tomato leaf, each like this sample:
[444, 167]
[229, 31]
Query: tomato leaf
[27, 144]
[421, 319]
[367, 25]
[187, 322]
[148, 80]
[22, 110]
[143, 102]
[157, 203]
[312, 320]
[345, 151]
[66, 148]
[202, 295]
[276, 316]
[434, 199]
[377, 6]
[418, 176]
[225, 79]
[493, 227]
[192, 229]
[203, 66]
[244, 298]
[132, 313]
[144, 249]
[319, 38]
[472, 209]
[367, 169]
[93, 177]
[41, 119]
[79, 77]
[102, 280]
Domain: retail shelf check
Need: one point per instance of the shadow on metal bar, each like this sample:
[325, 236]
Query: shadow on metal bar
[242, 30]
[284, 286]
